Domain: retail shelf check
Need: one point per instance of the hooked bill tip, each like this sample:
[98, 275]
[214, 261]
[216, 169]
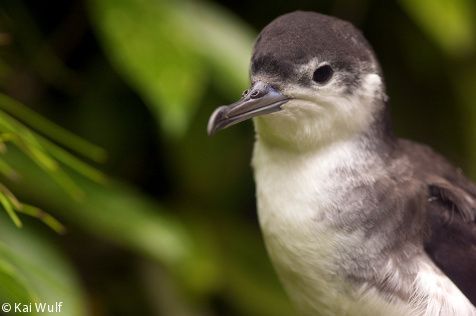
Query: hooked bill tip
[212, 126]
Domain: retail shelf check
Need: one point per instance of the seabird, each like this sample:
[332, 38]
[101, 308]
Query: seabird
[356, 221]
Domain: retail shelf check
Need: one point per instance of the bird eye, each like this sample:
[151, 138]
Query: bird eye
[323, 74]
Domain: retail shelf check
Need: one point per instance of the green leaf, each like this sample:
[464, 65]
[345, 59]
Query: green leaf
[31, 270]
[13, 289]
[46, 154]
[7, 170]
[46, 218]
[449, 22]
[166, 50]
[9, 208]
[222, 40]
[51, 130]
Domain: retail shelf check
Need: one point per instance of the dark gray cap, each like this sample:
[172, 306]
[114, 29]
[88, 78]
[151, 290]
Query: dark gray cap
[298, 37]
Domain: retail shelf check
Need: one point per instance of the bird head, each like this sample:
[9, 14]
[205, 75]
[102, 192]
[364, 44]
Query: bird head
[314, 78]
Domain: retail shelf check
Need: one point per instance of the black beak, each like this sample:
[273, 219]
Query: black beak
[259, 100]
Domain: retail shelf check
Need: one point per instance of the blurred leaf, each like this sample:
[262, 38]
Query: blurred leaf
[7, 170]
[13, 206]
[451, 23]
[46, 218]
[14, 288]
[9, 208]
[51, 130]
[166, 49]
[44, 153]
[224, 42]
[32, 271]
[112, 211]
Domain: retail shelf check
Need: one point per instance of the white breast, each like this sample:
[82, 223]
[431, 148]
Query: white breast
[297, 194]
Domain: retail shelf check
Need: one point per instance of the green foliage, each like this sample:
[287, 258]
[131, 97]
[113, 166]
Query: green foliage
[44, 153]
[53, 131]
[31, 270]
[451, 23]
[167, 50]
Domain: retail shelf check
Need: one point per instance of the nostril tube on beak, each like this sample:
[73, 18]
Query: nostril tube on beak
[260, 99]
[258, 93]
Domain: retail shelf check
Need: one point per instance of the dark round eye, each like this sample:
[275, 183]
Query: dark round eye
[323, 74]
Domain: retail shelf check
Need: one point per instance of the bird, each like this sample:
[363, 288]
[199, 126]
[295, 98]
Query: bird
[356, 221]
